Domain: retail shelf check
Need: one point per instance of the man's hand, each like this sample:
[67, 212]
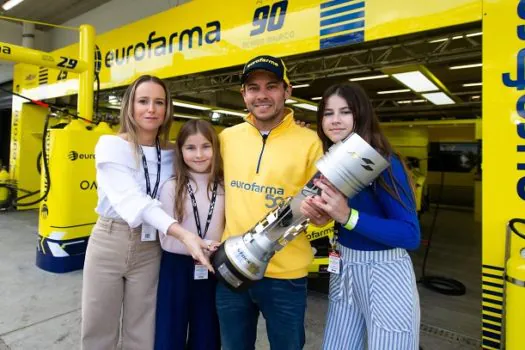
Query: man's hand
[316, 215]
[302, 123]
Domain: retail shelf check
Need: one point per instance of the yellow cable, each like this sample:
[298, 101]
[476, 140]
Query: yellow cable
[37, 22]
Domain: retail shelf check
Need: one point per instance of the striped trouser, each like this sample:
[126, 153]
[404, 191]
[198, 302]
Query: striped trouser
[373, 301]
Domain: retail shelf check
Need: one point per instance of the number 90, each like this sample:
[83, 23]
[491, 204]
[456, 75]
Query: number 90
[260, 18]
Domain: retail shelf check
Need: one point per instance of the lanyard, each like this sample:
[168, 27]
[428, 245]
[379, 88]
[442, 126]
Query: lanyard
[196, 210]
[146, 173]
[333, 240]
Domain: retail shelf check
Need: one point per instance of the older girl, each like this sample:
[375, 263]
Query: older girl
[373, 297]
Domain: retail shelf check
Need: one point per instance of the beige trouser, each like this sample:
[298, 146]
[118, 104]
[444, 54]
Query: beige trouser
[120, 283]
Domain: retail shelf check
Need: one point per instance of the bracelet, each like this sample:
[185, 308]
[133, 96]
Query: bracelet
[352, 220]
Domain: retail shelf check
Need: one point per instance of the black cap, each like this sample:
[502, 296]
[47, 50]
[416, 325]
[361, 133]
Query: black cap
[268, 63]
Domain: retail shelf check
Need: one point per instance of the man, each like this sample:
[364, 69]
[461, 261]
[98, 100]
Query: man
[266, 159]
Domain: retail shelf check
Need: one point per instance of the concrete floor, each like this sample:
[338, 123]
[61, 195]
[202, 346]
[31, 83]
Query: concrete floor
[41, 310]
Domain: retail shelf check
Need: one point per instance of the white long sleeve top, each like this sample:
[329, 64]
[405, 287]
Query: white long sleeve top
[199, 183]
[121, 183]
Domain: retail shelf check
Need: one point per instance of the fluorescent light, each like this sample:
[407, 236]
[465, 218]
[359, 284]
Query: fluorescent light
[113, 100]
[317, 98]
[300, 86]
[192, 106]
[410, 101]
[224, 111]
[370, 77]
[306, 106]
[438, 98]
[215, 116]
[474, 34]
[185, 116]
[456, 37]
[476, 97]
[472, 84]
[438, 40]
[463, 66]
[290, 101]
[10, 4]
[392, 91]
[416, 80]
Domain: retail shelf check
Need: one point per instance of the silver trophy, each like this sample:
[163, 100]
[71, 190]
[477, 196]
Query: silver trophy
[350, 165]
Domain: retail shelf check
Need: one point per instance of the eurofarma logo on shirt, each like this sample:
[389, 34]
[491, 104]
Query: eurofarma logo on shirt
[273, 195]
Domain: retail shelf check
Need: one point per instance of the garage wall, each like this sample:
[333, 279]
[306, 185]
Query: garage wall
[111, 15]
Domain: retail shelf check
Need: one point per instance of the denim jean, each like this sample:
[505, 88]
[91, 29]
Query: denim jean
[282, 303]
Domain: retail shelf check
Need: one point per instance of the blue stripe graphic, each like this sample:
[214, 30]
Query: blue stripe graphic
[334, 3]
[336, 21]
[346, 39]
[342, 28]
[359, 5]
[343, 18]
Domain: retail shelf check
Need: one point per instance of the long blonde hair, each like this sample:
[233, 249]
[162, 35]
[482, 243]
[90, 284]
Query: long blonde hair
[128, 125]
[182, 172]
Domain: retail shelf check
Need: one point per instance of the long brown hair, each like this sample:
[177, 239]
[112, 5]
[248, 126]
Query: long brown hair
[366, 125]
[182, 171]
[128, 124]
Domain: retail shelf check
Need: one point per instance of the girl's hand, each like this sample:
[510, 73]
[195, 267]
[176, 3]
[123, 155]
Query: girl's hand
[316, 215]
[331, 201]
[212, 246]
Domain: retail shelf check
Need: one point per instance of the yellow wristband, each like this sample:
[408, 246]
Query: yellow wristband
[352, 220]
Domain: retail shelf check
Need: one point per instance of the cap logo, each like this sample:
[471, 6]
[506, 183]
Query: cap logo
[262, 60]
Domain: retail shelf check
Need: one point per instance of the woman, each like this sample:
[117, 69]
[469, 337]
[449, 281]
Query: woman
[373, 296]
[123, 255]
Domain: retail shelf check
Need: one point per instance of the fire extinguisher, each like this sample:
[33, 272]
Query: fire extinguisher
[514, 287]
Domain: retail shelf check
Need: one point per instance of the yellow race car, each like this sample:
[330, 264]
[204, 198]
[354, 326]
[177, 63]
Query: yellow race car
[319, 238]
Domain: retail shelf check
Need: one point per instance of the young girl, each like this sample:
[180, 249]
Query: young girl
[186, 316]
[123, 255]
[373, 299]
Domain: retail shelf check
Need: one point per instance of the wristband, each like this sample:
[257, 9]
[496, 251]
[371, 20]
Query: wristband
[352, 220]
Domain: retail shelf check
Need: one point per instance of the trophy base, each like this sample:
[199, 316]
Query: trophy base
[226, 273]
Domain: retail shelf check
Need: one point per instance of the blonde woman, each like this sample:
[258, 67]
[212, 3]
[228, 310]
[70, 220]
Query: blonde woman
[123, 255]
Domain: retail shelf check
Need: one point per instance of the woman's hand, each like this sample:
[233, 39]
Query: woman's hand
[331, 201]
[316, 215]
[196, 246]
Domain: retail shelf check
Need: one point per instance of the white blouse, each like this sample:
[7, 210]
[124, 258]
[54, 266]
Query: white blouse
[121, 183]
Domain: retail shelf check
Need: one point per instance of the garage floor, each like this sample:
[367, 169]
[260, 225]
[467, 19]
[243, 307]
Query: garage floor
[41, 310]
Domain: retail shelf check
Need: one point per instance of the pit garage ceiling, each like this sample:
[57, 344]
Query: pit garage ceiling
[437, 51]
[53, 12]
